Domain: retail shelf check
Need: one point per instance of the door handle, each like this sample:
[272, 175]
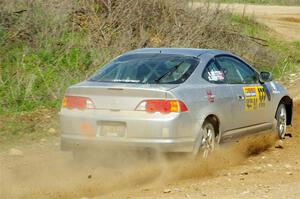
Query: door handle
[241, 97]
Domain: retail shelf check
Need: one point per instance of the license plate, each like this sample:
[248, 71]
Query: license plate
[112, 129]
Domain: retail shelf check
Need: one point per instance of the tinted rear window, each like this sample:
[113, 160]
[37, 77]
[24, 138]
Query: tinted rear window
[147, 69]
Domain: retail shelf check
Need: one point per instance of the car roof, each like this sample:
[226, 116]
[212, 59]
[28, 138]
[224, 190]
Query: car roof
[195, 52]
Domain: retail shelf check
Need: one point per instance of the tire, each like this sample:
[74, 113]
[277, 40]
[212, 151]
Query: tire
[281, 117]
[208, 140]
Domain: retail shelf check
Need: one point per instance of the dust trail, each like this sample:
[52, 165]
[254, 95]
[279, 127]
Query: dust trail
[42, 174]
[49, 173]
[224, 157]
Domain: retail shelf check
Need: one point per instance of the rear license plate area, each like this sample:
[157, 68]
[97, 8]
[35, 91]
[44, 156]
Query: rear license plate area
[111, 129]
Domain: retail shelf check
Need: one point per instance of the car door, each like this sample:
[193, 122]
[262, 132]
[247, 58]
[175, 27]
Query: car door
[219, 94]
[249, 97]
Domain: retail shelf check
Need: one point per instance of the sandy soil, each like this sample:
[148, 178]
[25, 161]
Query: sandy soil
[285, 20]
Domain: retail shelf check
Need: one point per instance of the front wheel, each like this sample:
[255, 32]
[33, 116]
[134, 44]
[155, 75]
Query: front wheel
[281, 117]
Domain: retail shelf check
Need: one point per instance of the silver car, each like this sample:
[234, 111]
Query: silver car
[172, 100]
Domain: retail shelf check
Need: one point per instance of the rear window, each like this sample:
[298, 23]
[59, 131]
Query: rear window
[147, 69]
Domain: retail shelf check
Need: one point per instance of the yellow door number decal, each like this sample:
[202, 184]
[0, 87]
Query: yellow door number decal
[255, 97]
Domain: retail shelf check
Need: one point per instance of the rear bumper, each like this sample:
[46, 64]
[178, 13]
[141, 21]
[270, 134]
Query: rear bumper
[71, 142]
[172, 132]
[138, 124]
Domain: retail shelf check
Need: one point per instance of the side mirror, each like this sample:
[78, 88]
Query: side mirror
[265, 77]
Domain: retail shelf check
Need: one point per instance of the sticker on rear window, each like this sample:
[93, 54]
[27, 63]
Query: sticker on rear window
[215, 76]
[255, 97]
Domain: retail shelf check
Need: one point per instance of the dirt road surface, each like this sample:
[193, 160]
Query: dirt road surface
[285, 20]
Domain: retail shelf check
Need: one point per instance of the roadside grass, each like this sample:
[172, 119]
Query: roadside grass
[287, 53]
[35, 77]
[21, 129]
[263, 2]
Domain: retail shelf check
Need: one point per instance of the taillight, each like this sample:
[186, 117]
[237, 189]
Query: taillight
[76, 102]
[163, 106]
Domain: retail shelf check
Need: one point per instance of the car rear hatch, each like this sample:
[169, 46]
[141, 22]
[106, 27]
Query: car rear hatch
[119, 96]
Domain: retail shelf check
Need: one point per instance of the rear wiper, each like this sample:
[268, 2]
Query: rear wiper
[173, 69]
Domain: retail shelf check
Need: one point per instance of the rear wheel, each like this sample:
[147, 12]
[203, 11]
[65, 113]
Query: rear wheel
[281, 118]
[208, 141]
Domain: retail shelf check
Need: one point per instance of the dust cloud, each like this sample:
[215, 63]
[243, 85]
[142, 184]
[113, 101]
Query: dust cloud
[45, 172]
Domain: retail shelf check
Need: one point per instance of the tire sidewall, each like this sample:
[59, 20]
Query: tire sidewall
[206, 124]
[280, 135]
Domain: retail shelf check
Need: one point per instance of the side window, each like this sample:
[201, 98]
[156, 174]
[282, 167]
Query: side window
[236, 72]
[249, 76]
[213, 74]
[231, 73]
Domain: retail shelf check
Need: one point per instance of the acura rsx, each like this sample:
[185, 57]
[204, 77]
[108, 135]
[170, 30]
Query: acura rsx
[172, 100]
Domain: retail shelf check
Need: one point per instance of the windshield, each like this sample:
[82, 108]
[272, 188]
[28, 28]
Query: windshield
[147, 69]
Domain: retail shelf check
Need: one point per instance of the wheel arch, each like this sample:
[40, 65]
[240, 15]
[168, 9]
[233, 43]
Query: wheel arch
[288, 102]
[215, 120]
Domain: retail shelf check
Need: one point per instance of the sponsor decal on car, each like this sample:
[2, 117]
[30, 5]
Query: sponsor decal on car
[215, 76]
[255, 97]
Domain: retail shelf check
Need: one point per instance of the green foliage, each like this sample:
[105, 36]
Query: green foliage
[248, 25]
[36, 77]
